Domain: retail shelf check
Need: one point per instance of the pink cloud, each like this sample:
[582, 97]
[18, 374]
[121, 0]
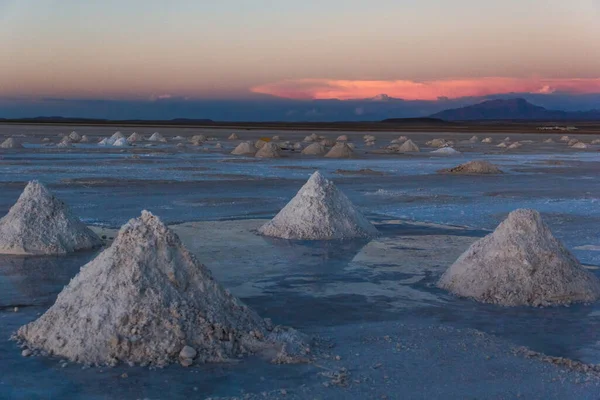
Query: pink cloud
[424, 90]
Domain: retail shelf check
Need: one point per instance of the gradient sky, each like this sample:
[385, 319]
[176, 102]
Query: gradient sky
[133, 49]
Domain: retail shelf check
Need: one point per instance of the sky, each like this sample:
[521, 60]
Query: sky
[191, 50]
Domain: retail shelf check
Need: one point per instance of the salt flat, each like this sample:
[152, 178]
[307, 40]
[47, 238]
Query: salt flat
[373, 302]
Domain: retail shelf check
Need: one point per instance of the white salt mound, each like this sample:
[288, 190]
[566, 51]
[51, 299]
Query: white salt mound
[550, 140]
[473, 168]
[515, 145]
[503, 145]
[312, 138]
[147, 300]
[11, 143]
[437, 143]
[579, 145]
[157, 137]
[75, 137]
[244, 148]
[319, 211]
[84, 139]
[409, 147]
[121, 142]
[340, 150]
[233, 136]
[314, 149]
[103, 142]
[269, 150]
[521, 263]
[259, 144]
[116, 136]
[135, 137]
[487, 140]
[595, 141]
[39, 223]
[446, 151]
[572, 142]
[564, 138]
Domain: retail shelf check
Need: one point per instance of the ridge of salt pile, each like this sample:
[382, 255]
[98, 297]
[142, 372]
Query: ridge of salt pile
[244, 149]
[319, 211]
[157, 137]
[147, 300]
[409, 147]
[521, 263]
[476, 167]
[39, 223]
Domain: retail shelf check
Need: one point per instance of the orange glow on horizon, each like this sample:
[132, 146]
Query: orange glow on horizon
[424, 90]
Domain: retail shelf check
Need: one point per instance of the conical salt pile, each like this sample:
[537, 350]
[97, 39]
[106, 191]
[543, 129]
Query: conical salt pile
[75, 137]
[319, 212]
[446, 151]
[244, 149]
[579, 145]
[135, 137]
[521, 263]
[487, 140]
[340, 150]
[269, 150]
[473, 168]
[437, 143]
[121, 143]
[147, 300]
[84, 139]
[116, 136]
[39, 223]
[157, 137]
[11, 143]
[233, 136]
[409, 147]
[314, 149]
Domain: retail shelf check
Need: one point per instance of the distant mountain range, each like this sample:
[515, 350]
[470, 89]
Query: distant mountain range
[515, 110]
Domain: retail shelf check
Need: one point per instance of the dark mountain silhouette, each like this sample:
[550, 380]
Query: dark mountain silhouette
[513, 109]
[416, 121]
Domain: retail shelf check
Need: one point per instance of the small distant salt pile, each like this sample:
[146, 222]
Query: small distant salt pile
[446, 151]
[157, 137]
[312, 138]
[409, 147]
[474, 139]
[370, 143]
[218, 145]
[314, 149]
[550, 140]
[147, 300]
[515, 145]
[298, 146]
[135, 137]
[39, 223]
[75, 137]
[400, 140]
[63, 145]
[276, 137]
[233, 136]
[269, 150]
[521, 263]
[437, 143]
[197, 140]
[103, 142]
[178, 138]
[506, 139]
[473, 168]
[579, 145]
[84, 139]
[564, 138]
[369, 138]
[11, 143]
[319, 212]
[502, 145]
[243, 149]
[342, 138]
[122, 142]
[259, 144]
[595, 141]
[340, 150]
[46, 140]
[116, 136]
[487, 140]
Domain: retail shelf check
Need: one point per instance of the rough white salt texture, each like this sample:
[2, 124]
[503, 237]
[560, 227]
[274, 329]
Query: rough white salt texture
[39, 223]
[276, 137]
[314, 149]
[579, 145]
[521, 263]
[487, 140]
[473, 168]
[84, 139]
[233, 136]
[437, 143]
[11, 143]
[146, 299]
[572, 142]
[564, 138]
[121, 143]
[157, 137]
[595, 141]
[63, 145]
[340, 150]
[103, 142]
[550, 140]
[269, 150]
[502, 145]
[342, 138]
[327, 142]
[178, 138]
[197, 139]
[135, 137]
[319, 211]
[409, 147]
[311, 138]
[259, 144]
[116, 136]
[244, 148]
[446, 151]
[515, 145]
[75, 137]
